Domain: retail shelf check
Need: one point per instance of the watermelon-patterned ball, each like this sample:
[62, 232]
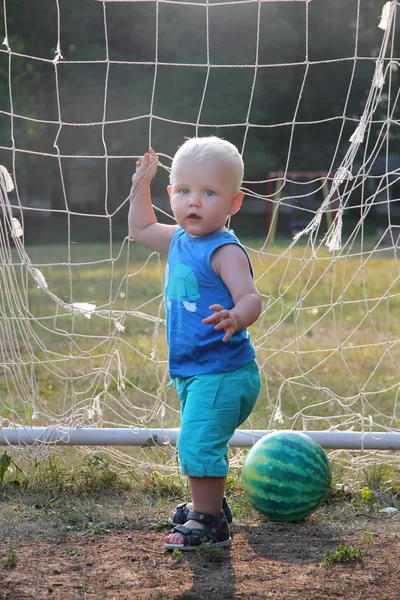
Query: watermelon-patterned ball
[286, 476]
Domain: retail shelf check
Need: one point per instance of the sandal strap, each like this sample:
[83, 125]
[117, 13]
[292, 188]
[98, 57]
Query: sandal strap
[194, 536]
[181, 510]
[193, 515]
[210, 533]
[183, 530]
[181, 513]
[227, 510]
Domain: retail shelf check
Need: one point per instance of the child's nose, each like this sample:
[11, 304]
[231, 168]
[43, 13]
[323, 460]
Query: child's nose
[194, 199]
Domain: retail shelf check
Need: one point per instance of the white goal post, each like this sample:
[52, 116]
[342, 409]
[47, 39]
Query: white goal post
[64, 436]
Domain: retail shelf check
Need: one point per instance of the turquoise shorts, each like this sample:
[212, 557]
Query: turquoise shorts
[212, 407]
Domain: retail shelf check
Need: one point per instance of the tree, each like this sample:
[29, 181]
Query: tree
[316, 83]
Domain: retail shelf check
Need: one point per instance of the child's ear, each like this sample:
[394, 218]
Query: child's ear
[236, 203]
[169, 190]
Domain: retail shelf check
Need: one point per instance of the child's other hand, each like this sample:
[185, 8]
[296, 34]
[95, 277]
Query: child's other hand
[223, 319]
[146, 168]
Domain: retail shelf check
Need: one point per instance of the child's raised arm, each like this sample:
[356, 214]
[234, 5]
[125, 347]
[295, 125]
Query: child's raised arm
[143, 225]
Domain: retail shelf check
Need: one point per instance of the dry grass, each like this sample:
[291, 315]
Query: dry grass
[327, 342]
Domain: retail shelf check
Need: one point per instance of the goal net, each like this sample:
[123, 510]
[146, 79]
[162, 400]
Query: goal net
[308, 91]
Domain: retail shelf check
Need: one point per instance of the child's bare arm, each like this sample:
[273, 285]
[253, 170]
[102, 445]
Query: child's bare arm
[143, 225]
[231, 263]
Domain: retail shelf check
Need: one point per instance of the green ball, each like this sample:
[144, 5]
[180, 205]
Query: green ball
[286, 475]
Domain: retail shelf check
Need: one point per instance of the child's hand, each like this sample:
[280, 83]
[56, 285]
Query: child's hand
[146, 168]
[223, 319]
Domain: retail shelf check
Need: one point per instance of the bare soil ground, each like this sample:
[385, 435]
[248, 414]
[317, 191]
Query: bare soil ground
[43, 558]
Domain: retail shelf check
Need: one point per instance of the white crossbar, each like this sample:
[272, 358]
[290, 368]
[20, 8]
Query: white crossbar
[349, 440]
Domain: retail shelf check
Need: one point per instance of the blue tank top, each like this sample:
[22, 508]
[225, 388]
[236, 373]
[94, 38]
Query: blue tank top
[191, 287]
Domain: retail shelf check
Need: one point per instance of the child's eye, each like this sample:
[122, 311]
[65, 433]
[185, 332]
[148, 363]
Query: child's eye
[184, 191]
[209, 193]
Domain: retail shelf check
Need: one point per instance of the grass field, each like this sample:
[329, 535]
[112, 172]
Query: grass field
[90, 523]
[327, 342]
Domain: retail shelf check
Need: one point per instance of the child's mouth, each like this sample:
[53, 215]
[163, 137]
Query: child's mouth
[194, 217]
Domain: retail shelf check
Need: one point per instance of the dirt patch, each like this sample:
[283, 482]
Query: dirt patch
[266, 560]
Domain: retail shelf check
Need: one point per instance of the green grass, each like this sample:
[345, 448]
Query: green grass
[327, 343]
[68, 491]
[344, 553]
[209, 551]
[11, 559]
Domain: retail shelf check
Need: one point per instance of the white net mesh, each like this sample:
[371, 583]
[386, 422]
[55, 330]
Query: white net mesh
[309, 94]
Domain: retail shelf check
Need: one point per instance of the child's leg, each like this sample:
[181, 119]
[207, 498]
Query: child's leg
[207, 495]
[179, 515]
[212, 407]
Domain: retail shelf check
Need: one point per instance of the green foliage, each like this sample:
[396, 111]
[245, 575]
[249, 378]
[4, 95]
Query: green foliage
[65, 472]
[5, 461]
[11, 559]
[130, 29]
[152, 441]
[230, 483]
[383, 482]
[178, 554]
[342, 554]
[76, 553]
[366, 495]
[159, 525]
[208, 550]
[378, 475]
[368, 537]
[157, 485]
[106, 527]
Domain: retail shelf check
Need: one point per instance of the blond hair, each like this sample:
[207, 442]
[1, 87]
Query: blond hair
[212, 147]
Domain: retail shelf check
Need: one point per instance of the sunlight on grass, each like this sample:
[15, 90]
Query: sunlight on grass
[326, 343]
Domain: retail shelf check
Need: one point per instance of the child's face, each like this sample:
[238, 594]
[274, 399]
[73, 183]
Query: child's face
[202, 195]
